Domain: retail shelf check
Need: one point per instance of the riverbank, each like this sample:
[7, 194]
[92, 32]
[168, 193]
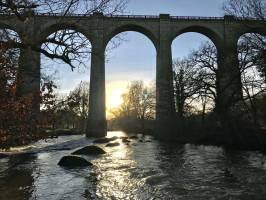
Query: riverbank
[11, 141]
[242, 139]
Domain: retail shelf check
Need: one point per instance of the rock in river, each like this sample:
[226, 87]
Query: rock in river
[89, 150]
[105, 140]
[74, 161]
[124, 140]
[113, 144]
[134, 137]
[3, 155]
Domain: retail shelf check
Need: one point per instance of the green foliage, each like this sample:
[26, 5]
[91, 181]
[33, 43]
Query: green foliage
[67, 111]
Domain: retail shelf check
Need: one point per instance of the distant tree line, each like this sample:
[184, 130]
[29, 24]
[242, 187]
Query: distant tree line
[195, 82]
[137, 111]
[195, 88]
[67, 112]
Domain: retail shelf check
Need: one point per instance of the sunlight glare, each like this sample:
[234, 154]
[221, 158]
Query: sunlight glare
[115, 98]
[114, 91]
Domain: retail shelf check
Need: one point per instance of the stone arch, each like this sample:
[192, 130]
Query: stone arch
[50, 29]
[134, 28]
[195, 42]
[260, 31]
[202, 30]
[146, 40]
[9, 27]
[47, 31]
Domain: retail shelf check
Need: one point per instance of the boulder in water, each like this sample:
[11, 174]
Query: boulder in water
[113, 144]
[105, 140]
[134, 137]
[124, 140]
[3, 155]
[73, 161]
[123, 137]
[89, 150]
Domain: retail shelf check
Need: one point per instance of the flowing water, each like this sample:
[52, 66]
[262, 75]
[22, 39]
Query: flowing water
[143, 169]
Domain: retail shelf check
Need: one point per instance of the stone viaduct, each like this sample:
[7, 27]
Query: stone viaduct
[224, 32]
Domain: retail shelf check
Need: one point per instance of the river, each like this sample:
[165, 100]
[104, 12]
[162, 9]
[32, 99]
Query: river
[143, 169]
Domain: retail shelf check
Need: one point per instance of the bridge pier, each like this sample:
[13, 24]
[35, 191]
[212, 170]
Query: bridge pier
[229, 86]
[97, 119]
[165, 108]
[28, 78]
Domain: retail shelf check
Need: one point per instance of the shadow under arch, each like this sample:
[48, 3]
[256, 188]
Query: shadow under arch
[211, 35]
[259, 31]
[4, 26]
[133, 28]
[49, 30]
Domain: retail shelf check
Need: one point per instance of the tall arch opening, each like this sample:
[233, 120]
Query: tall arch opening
[195, 68]
[130, 82]
[252, 65]
[65, 76]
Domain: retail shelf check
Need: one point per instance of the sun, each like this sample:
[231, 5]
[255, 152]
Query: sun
[115, 99]
[114, 91]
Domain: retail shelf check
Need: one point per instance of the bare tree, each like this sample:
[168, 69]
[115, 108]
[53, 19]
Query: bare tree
[85, 7]
[250, 64]
[185, 84]
[251, 9]
[252, 53]
[138, 103]
[253, 80]
[8, 63]
[195, 80]
[78, 102]
[65, 45]
[246, 8]
[140, 100]
[253, 89]
[205, 58]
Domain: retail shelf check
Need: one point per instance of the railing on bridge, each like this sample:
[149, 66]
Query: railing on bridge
[143, 16]
[171, 17]
[134, 16]
[182, 17]
[196, 18]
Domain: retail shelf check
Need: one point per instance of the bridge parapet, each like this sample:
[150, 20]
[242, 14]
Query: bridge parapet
[146, 16]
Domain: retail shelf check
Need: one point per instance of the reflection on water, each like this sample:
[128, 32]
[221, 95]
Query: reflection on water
[142, 169]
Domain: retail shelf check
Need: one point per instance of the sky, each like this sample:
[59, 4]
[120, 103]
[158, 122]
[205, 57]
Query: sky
[135, 58]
